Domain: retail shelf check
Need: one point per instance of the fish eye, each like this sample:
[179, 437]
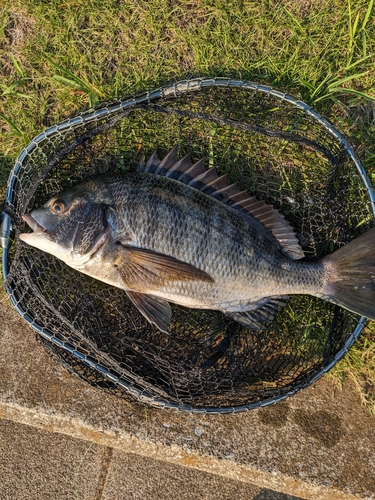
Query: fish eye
[59, 207]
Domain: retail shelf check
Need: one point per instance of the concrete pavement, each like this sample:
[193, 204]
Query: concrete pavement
[61, 438]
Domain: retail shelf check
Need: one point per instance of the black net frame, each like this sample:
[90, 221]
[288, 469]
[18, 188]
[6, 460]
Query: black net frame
[271, 144]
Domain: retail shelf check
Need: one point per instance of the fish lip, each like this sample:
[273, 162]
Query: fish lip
[33, 224]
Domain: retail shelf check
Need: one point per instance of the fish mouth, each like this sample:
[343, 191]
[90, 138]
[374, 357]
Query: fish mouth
[33, 224]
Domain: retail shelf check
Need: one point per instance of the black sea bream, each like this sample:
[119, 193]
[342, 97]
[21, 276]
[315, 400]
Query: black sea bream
[176, 232]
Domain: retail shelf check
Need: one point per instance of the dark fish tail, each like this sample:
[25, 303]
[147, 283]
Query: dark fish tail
[353, 285]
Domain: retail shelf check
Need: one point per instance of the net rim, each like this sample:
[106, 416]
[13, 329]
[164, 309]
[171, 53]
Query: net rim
[120, 106]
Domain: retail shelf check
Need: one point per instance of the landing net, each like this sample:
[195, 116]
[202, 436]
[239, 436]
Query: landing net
[272, 145]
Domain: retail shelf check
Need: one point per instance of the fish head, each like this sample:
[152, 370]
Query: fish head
[72, 226]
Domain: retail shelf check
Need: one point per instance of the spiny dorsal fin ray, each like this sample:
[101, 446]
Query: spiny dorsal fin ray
[152, 163]
[208, 181]
[142, 165]
[170, 159]
[179, 166]
[196, 168]
[219, 182]
[207, 177]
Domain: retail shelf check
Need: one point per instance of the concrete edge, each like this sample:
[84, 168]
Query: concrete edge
[173, 454]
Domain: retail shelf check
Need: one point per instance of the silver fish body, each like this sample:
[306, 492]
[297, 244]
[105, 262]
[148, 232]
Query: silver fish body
[169, 218]
[164, 240]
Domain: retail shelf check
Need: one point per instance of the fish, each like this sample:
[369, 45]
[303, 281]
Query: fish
[175, 232]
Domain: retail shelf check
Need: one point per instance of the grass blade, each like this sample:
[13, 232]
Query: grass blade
[93, 99]
[308, 85]
[355, 26]
[17, 66]
[364, 44]
[367, 15]
[15, 128]
[296, 22]
[73, 80]
[83, 85]
[351, 66]
[321, 84]
[11, 89]
[346, 79]
[350, 25]
[350, 91]
[71, 83]
[299, 25]
[352, 29]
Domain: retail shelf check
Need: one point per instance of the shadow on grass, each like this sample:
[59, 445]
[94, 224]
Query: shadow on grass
[6, 165]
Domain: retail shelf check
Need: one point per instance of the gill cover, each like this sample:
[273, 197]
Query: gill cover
[70, 226]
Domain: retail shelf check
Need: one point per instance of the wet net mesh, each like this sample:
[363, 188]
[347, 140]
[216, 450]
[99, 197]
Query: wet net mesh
[271, 146]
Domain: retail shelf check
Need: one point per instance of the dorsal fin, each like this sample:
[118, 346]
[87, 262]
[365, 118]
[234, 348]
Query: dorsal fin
[208, 181]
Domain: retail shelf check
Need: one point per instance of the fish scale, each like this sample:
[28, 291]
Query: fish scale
[220, 240]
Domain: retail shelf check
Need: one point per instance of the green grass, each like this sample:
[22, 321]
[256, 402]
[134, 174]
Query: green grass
[62, 56]
[358, 365]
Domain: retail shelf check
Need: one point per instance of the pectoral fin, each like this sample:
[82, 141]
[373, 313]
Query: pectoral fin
[142, 268]
[155, 310]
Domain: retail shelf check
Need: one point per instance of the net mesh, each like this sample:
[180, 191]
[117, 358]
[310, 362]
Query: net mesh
[271, 147]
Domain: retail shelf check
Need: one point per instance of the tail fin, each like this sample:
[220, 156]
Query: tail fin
[353, 286]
